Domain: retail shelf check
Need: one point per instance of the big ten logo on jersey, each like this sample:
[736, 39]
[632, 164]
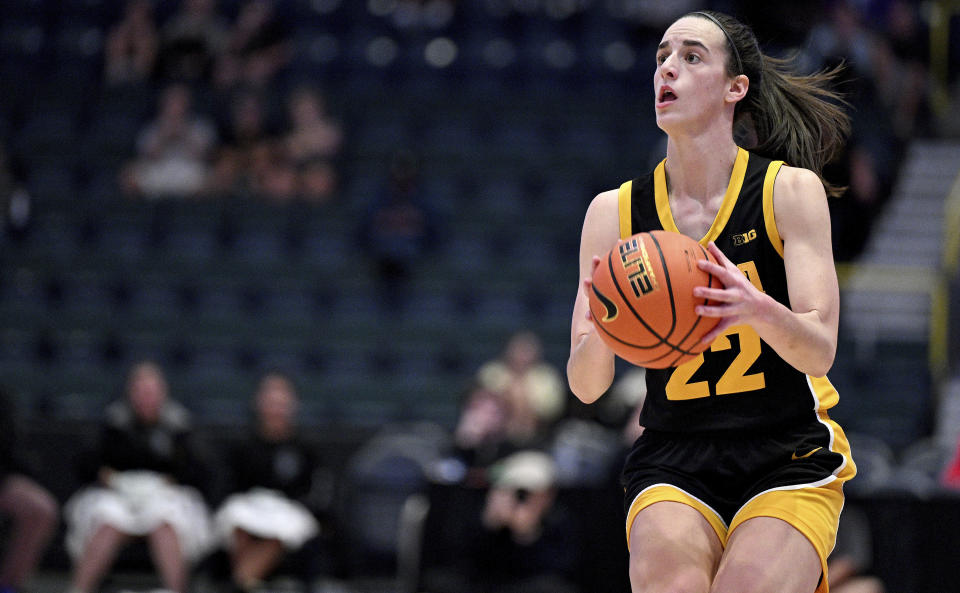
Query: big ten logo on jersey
[636, 264]
[744, 238]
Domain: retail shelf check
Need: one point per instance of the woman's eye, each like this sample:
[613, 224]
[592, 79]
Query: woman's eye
[693, 58]
[661, 59]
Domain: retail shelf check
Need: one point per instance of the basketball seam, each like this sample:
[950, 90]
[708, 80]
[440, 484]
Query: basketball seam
[666, 276]
[626, 301]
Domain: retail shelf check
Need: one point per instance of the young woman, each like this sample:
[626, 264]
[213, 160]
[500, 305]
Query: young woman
[736, 483]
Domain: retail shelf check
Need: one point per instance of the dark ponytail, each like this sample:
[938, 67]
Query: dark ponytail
[795, 118]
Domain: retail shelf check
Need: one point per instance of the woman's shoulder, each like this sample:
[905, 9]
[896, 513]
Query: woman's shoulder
[797, 177]
[797, 183]
[604, 204]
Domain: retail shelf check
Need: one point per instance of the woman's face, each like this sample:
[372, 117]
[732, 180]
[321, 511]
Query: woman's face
[690, 82]
[147, 391]
[276, 405]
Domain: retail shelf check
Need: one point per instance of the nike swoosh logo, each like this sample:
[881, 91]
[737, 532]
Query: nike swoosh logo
[609, 305]
[794, 456]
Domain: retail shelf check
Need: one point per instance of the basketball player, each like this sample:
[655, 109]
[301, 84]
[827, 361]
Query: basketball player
[735, 485]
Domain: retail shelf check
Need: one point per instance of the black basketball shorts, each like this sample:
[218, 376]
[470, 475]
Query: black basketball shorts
[792, 473]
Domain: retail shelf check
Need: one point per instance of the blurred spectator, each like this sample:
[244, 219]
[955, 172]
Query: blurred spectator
[32, 510]
[313, 133]
[850, 561]
[479, 438]
[191, 41]
[256, 47]
[268, 516]
[589, 451]
[132, 44]
[242, 135]
[532, 386]
[526, 542]
[248, 123]
[145, 462]
[313, 142]
[901, 71]
[398, 230]
[173, 149]
[14, 199]
[885, 82]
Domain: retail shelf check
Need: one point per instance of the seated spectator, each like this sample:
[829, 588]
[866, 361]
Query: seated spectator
[173, 149]
[144, 463]
[242, 135]
[532, 386]
[31, 509]
[267, 516]
[479, 439]
[131, 46]
[312, 134]
[398, 230]
[526, 542]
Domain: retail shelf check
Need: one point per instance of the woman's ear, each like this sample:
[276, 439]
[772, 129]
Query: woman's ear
[738, 88]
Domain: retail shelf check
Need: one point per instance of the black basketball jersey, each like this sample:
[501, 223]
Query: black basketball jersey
[740, 382]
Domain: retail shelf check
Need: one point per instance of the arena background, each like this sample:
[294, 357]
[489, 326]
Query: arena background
[514, 113]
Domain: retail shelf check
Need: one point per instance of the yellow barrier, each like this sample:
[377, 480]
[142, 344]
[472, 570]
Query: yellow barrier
[940, 306]
[940, 13]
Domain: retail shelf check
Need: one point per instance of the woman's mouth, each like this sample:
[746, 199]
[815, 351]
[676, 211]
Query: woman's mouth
[666, 96]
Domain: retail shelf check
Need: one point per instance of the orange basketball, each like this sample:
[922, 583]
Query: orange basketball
[642, 299]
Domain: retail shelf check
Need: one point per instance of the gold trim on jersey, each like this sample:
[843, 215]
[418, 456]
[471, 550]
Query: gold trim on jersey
[824, 393]
[670, 493]
[626, 214]
[662, 197]
[769, 220]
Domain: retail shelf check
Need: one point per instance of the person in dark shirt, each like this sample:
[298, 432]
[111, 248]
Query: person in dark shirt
[144, 462]
[267, 516]
[32, 510]
[398, 230]
[524, 541]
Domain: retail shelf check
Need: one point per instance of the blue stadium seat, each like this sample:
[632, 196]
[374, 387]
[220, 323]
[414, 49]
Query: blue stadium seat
[287, 305]
[16, 347]
[52, 181]
[446, 138]
[381, 135]
[521, 138]
[468, 253]
[47, 136]
[190, 245]
[88, 298]
[154, 302]
[124, 242]
[53, 236]
[501, 198]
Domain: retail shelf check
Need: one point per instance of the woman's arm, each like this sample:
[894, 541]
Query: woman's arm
[591, 364]
[804, 335]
